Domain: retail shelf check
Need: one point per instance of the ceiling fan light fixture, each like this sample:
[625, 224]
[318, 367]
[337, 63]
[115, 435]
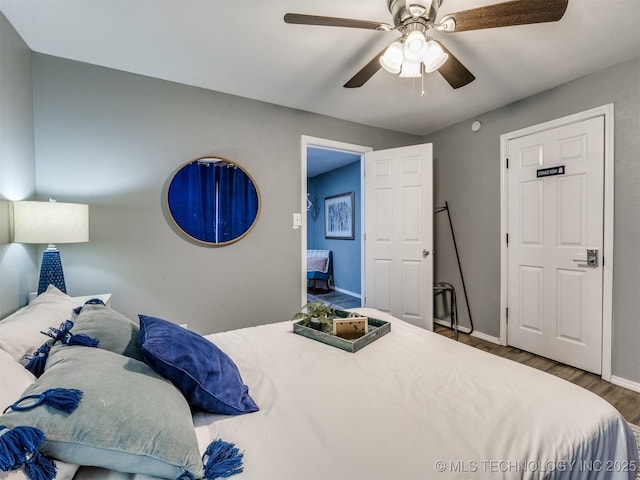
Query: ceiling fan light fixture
[392, 59]
[434, 57]
[411, 69]
[414, 46]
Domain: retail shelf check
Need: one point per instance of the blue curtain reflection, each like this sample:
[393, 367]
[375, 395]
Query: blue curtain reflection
[213, 202]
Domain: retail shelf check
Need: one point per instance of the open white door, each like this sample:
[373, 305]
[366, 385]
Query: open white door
[399, 233]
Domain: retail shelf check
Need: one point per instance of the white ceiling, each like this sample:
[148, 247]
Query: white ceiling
[243, 47]
[322, 160]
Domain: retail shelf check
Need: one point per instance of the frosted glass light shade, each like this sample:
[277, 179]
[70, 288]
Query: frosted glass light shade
[434, 57]
[50, 222]
[411, 69]
[391, 61]
[414, 46]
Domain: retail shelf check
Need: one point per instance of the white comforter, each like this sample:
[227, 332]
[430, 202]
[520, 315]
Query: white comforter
[412, 405]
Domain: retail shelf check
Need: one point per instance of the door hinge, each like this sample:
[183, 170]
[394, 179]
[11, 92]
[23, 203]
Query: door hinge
[507, 314]
[507, 163]
[507, 239]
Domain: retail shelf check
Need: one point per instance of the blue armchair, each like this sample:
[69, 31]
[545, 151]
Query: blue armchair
[319, 267]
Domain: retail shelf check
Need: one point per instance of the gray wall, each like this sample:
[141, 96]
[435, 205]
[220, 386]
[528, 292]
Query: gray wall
[18, 271]
[111, 139]
[467, 175]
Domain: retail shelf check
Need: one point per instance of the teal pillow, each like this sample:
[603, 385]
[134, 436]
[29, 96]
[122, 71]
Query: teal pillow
[115, 332]
[129, 420]
[206, 376]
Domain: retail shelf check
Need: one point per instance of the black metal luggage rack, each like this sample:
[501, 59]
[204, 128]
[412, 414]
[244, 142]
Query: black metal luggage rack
[442, 288]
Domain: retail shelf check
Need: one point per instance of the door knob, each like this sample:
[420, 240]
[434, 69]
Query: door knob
[592, 258]
[425, 253]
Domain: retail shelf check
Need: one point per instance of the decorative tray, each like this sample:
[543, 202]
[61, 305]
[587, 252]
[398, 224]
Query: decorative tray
[376, 329]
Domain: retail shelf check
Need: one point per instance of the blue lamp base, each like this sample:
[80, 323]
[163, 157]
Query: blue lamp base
[51, 271]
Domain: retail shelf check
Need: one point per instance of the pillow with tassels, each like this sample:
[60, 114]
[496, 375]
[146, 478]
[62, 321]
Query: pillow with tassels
[98, 408]
[14, 379]
[37, 361]
[114, 331]
[95, 326]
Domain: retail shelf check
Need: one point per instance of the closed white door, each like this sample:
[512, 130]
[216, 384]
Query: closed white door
[399, 233]
[555, 222]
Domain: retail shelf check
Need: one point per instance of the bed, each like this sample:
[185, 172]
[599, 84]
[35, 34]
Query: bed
[411, 405]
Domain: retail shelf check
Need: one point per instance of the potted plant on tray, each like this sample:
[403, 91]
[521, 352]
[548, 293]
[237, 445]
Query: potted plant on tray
[316, 315]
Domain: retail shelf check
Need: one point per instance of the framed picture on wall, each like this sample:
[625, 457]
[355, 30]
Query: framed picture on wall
[339, 216]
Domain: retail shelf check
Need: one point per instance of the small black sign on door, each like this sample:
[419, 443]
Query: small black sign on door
[550, 172]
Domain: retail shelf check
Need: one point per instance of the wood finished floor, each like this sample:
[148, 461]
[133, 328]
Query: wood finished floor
[626, 401]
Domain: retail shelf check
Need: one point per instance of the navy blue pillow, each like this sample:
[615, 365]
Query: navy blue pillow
[205, 375]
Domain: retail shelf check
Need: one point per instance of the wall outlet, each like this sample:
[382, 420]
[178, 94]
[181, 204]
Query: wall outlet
[297, 220]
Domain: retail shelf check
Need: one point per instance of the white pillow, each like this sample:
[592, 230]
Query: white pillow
[20, 333]
[66, 471]
[14, 379]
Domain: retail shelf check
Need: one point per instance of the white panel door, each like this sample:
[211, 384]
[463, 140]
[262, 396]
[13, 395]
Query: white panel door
[555, 215]
[399, 233]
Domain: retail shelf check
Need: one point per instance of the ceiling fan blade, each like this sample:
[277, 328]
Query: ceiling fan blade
[366, 72]
[516, 12]
[454, 71]
[301, 19]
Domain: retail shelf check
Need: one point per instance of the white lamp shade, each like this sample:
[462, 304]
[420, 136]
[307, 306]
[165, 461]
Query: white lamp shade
[50, 222]
[391, 61]
[434, 57]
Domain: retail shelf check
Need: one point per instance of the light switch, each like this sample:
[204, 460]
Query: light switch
[297, 220]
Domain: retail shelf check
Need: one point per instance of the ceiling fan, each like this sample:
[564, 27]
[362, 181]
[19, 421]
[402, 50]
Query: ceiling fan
[415, 52]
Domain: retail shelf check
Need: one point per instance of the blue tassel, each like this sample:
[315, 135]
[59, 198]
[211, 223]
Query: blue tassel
[17, 445]
[221, 460]
[64, 399]
[20, 447]
[64, 335]
[38, 359]
[92, 301]
[39, 467]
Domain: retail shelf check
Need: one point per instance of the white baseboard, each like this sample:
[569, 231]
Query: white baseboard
[347, 292]
[463, 329]
[484, 336]
[444, 323]
[623, 382]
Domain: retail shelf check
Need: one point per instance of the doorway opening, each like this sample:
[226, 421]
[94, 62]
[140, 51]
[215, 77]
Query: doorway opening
[333, 170]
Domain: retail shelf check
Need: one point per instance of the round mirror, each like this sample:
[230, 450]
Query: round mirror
[213, 201]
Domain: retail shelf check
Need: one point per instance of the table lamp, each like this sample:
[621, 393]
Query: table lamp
[50, 222]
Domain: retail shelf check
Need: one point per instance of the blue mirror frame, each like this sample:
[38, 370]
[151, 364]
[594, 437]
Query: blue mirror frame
[212, 201]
